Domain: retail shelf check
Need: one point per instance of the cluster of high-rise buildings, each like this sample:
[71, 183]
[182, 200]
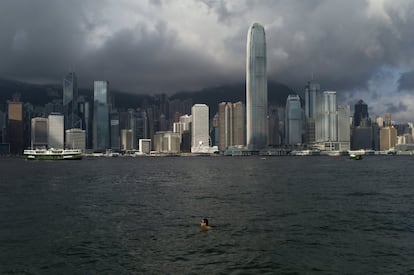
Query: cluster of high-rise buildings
[176, 126]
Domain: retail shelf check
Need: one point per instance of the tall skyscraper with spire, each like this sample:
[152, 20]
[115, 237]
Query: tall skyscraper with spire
[256, 88]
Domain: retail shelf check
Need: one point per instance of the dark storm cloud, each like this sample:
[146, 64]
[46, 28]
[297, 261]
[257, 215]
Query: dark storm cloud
[39, 38]
[159, 46]
[406, 81]
[394, 108]
[339, 44]
[219, 7]
[150, 61]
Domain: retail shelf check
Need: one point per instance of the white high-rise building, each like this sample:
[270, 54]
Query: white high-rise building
[344, 127]
[330, 116]
[144, 146]
[231, 125]
[183, 125]
[127, 139]
[293, 123]
[56, 131]
[76, 139]
[167, 142]
[332, 123]
[326, 123]
[256, 88]
[200, 128]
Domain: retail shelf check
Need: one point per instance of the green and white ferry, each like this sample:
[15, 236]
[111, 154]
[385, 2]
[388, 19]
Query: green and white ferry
[53, 154]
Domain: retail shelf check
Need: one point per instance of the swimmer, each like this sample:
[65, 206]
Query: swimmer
[204, 225]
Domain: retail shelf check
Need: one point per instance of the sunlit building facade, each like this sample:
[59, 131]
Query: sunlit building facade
[56, 131]
[344, 127]
[326, 123]
[200, 128]
[15, 127]
[388, 138]
[127, 137]
[231, 124]
[76, 139]
[145, 146]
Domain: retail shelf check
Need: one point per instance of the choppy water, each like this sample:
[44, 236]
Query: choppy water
[292, 215]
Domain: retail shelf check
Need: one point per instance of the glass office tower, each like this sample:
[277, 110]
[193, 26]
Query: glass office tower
[293, 123]
[101, 135]
[70, 101]
[256, 88]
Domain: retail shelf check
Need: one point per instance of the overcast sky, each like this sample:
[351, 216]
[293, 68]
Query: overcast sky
[362, 49]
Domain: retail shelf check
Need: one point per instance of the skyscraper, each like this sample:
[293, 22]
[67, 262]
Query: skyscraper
[200, 127]
[39, 135]
[362, 129]
[141, 122]
[380, 121]
[56, 131]
[183, 127]
[15, 127]
[312, 91]
[2, 127]
[293, 122]
[332, 123]
[256, 88]
[101, 138]
[70, 101]
[115, 131]
[127, 136]
[312, 98]
[76, 139]
[231, 124]
[344, 127]
[388, 138]
[85, 112]
[361, 114]
[330, 116]
[388, 120]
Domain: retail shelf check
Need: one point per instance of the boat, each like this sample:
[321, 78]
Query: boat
[355, 156]
[52, 154]
[300, 153]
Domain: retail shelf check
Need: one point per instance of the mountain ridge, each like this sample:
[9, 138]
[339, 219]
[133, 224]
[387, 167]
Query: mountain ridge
[40, 94]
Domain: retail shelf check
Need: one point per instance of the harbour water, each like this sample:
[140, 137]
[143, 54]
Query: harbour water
[294, 215]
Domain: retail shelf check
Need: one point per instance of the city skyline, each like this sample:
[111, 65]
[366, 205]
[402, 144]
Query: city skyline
[330, 126]
[361, 49]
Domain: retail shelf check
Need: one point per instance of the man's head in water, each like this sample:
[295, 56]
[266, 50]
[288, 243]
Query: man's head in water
[204, 222]
[204, 225]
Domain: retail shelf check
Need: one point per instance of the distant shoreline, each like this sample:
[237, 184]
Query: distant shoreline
[91, 156]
